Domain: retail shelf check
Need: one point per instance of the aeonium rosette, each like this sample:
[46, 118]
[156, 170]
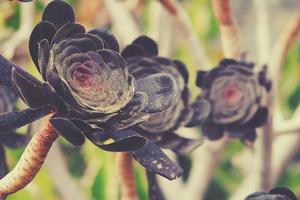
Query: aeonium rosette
[143, 61]
[87, 86]
[236, 94]
[277, 193]
[9, 139]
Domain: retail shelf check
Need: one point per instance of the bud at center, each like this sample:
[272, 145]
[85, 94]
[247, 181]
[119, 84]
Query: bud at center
[232, 94]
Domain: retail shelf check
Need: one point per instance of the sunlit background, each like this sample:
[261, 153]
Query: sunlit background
[89, 173]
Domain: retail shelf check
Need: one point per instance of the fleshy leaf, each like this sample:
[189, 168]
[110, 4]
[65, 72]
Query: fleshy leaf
[5, 72]
[43, 30]
[131, 114]
[260, 117]
[200, 78]
[156, 161]
[161, 90]
[30, 91]
[283, 191]
[43, 57]
[54, 99]
[255, 195]
[14, 140]
[13, 120]
[127, 141]
[68, 30]
[132, 50]
[112, 58]
[182, 69]
[249, 138]
[226, 62]
[153, 158]
[263, 79]
[212, 131]
[3, 165]
[68, 130]
[59, 13]
[110, 41]
[149, 46]
[201, 109]
[178, 144]
[90, 132]
[97, 41]
[60, 87]
[126, 144]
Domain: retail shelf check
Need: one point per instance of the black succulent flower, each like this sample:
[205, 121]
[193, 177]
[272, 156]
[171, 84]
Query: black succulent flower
[236, 94]
[9, 139]
[143, 62]
[278, 193]
[87, 86]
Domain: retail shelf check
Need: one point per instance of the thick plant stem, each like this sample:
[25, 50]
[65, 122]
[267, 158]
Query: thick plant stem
[30, 162]
[126, 176]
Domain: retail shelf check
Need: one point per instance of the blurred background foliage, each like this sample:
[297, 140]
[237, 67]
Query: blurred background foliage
[94, 170]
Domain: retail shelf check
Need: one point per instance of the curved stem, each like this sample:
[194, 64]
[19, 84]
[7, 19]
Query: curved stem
[30, 162]
[185, 30]
[229, 32]
[126, 176]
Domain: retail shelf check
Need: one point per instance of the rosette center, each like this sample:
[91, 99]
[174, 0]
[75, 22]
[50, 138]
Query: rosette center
[86, 79]
[232, 94]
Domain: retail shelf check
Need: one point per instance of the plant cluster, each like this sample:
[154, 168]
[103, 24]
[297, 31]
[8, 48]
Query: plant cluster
[126, 100]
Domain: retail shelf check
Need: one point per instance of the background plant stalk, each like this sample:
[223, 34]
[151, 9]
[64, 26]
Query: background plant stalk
[30, 162]
[126, 176]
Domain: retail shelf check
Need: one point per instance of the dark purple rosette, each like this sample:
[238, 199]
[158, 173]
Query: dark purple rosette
[277, 193]
[143, 62]
[8, 139]
[87, 87]
[236, 94]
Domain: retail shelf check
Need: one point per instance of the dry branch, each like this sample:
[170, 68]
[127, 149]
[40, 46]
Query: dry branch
[184, 27]
[263, 147]
[123, 23]
[286, 145]
[229, 32]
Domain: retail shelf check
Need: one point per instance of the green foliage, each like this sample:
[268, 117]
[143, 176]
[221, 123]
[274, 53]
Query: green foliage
[75, 160]
[39, 6]
[141, 183]
[14, 21]
[99, 185]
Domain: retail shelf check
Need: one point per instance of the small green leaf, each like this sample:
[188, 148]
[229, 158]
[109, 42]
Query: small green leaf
[98, 187]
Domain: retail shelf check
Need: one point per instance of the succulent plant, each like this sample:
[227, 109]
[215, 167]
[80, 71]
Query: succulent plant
[9, 139]
[236, 94]
[87, 87]
[143, 62]
[277, 193]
